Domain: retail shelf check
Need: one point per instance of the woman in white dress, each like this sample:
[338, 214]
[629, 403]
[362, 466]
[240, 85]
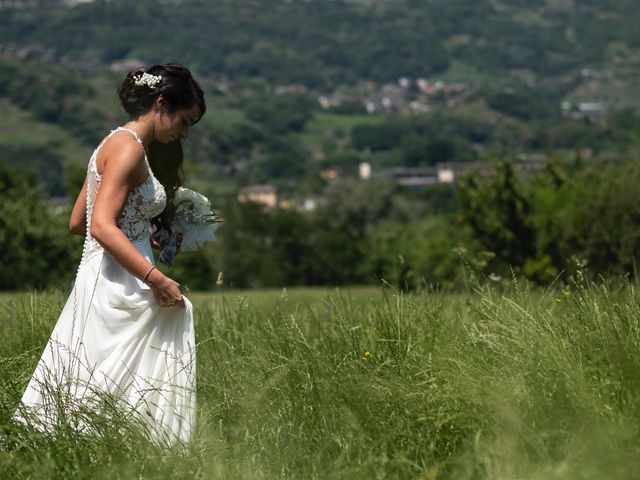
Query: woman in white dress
[126, 330]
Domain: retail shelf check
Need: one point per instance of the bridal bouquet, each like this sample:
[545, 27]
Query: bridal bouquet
[193, 220]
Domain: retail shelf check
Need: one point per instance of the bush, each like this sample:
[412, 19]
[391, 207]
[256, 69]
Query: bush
[37, 249]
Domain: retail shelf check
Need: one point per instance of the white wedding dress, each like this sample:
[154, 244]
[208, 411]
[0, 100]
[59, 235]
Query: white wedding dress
[113, 338]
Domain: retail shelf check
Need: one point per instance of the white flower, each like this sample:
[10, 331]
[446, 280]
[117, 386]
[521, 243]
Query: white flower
[194, 221]
[147, 79]
[193, 207]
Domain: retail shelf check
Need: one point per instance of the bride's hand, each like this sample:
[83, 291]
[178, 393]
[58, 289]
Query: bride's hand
[165, 290]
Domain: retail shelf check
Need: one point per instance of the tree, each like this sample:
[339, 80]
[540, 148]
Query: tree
[593, 216]
[342, 223]
[377, 137]
[281, 113]
[37, 249]
[499, 214]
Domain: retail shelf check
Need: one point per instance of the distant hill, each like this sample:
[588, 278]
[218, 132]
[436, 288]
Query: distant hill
[324, 43]
[527, 72]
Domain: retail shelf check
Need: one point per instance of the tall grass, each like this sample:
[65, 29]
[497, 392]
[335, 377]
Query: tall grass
[511, 384]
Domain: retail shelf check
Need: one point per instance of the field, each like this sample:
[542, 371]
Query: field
[370, 383]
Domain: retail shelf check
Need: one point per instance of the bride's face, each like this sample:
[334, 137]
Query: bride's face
[171, 126]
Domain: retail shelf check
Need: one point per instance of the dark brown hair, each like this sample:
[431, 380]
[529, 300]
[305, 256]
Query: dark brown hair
[180, 91]
[177, 86]
[166, 160]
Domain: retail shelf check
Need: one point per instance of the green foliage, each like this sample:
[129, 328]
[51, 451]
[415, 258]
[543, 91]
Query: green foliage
[317, 44]
[52, 95]
[41, 161]
[350, 212]
[422, 140]
[257, 248]
[281, 113]
[321, 43]
[419, 254]
[566, 216]
[342, 242]
[595, 216]
[37, 250]
[498, 212]
[525, 104]
[377, 137]
[414, 149]
[284, 157]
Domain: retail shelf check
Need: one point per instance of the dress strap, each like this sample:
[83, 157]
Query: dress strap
[138, 139]
[92, 162]
[132, 132]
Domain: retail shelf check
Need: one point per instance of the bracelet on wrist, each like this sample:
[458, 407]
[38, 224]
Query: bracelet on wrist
[144, 280]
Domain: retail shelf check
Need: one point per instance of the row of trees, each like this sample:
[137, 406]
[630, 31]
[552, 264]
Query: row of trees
[563, 217]
[366, 232]
[541, 228]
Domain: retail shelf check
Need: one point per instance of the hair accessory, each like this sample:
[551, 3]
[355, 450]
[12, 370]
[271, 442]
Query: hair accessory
[147, 79]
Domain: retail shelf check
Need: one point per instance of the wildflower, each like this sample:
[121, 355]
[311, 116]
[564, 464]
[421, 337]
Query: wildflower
[566, 293]
[366, 354]
[431, 473]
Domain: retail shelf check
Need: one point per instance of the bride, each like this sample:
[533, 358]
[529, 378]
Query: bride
[126, 330]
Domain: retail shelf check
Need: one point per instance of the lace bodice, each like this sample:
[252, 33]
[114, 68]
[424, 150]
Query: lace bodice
[144, 202]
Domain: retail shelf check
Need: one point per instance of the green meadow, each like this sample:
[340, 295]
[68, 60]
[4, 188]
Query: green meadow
[498, 383]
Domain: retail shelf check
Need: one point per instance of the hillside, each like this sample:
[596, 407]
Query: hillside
[324, 44]
[295, 87]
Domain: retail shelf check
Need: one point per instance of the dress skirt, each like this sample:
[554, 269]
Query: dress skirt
[112, 338]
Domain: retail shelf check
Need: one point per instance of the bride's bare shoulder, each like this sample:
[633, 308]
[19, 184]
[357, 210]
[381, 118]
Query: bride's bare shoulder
[121, 151]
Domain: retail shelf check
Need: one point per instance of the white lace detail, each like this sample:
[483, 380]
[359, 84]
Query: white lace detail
[145, 201]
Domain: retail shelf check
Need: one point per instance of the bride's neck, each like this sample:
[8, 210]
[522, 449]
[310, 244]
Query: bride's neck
[143, 126]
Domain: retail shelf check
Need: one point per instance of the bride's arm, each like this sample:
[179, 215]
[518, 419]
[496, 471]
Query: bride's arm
[121, 173]
[78, 220]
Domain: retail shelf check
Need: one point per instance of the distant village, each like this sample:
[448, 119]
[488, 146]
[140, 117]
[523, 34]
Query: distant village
[406, 95]
[415, 178]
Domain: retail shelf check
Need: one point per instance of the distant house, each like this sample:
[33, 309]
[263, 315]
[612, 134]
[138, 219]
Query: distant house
[528, 165]
[334, 99]
[411, 177]
[450, 172]
[330, 173]
[264, 194]
[364, 170]
[594, 111]
[419, 106]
